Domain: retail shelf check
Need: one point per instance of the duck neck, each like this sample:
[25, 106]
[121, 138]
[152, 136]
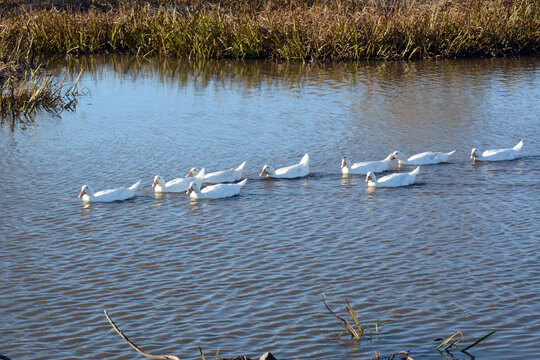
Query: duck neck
[159, 188]
[388, 158]
[345, 166]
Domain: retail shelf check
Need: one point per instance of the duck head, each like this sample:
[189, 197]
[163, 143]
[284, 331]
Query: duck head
[86, 190]
[396, 155]
[158, 180]
[474, 153]
[390, 157]
[371, 177]
[196, 184]
[193, 172]
[267, 170]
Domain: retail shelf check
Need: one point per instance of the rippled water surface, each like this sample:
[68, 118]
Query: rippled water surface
[456, 251]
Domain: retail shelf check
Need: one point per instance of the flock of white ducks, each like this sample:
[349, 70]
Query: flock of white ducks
[222, 184]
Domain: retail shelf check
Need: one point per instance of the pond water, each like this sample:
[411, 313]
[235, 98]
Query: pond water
[457, 251]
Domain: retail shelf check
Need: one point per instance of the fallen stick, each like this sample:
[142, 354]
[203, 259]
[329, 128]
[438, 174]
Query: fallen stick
[155, 357]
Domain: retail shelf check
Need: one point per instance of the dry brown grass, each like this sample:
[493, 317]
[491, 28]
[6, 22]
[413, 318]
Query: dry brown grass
[281, 29]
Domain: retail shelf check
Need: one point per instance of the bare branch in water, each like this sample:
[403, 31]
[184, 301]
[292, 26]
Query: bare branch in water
[156, 357]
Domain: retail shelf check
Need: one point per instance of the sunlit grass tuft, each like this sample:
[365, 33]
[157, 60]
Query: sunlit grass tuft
[358, 329]
[204, 357]
[26, 91]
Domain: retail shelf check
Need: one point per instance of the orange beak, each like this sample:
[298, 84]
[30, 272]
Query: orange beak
[154, 183]
[190, 189]
[263, 172]
[343, 163]
[81, 194]
[189, 174]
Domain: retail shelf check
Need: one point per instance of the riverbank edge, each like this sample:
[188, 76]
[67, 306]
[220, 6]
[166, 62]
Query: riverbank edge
[309, 31]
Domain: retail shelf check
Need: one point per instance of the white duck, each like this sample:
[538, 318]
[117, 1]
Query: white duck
[425, 158]
[176, 185]
[223, 176]
[497, 154]
[88, 195]
[362, 168]
[217, 191]
[393, 180]
[289, 172]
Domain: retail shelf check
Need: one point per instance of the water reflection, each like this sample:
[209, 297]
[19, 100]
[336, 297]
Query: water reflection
[195, 207]
[84, 211]
[160, 199]
[370, 191]
[384, 78]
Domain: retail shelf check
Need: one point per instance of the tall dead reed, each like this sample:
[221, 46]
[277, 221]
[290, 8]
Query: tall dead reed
[333, 30]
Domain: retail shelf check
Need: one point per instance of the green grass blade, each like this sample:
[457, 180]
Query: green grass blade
[449, 339]
[479, 340]
[354, 317]
[202, 354]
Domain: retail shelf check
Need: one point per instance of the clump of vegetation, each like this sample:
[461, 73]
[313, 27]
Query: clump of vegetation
[362, 330]
[24, 91]
[305, 30]
[453, 341]
[358, 329]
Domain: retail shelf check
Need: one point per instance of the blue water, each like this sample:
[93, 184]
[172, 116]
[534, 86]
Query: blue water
[457, 251]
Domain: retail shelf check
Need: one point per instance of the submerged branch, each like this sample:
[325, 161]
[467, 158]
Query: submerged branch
[135, 347]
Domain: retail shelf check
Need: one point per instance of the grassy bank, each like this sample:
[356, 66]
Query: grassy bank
[286, 30]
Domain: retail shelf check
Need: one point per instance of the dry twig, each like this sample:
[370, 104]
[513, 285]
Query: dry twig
[145, 354]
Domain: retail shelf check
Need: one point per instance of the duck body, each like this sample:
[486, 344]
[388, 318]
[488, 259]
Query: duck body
[362, 168]
[289, 172]
[87, 193]
[497, 154]
[425, 158]
[175, 186]
[218, 191]
[223, 176]
[393, 180]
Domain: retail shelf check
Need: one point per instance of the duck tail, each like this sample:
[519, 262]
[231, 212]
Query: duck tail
[135, 186]
[243, 182]
[518, 146]
[415, 171]
[305, 160]
[451, 153]
[241, 166]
